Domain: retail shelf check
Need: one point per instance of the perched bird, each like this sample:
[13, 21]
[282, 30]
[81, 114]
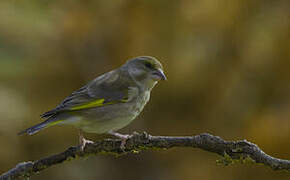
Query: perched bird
[107, 103]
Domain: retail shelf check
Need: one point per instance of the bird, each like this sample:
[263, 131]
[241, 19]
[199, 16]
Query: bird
[107, 103]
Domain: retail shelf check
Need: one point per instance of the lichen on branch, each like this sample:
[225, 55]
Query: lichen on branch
[231, 151]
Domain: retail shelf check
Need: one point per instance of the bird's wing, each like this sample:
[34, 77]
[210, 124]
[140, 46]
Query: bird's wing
[109, 88]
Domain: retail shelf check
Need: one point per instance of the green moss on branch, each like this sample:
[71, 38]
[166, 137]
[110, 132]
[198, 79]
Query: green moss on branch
[231, 151]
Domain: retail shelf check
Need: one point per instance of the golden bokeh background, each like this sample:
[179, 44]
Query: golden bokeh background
[228, 68]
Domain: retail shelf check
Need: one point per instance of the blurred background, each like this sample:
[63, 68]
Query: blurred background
[228, 68]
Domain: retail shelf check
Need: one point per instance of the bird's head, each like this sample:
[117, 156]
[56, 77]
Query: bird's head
[146, 70]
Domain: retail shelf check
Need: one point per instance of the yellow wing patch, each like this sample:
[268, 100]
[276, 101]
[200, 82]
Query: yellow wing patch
[96, 103]
[53, 123]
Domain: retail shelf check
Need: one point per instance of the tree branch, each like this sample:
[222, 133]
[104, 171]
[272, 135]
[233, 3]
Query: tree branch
[231, 151]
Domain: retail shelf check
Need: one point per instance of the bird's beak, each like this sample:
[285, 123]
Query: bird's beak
[159, 74]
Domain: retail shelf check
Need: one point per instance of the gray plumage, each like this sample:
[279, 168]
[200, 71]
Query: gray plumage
[110, 101]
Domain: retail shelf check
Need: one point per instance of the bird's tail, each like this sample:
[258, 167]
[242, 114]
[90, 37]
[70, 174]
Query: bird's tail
[34, 129]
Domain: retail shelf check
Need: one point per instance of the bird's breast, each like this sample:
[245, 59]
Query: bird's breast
[113, 117]
[141, 101]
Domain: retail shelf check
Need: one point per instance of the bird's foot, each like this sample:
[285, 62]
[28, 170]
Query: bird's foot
[123, 137]
[83, 141]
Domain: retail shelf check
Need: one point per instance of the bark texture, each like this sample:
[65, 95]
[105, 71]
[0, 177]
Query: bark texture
[231, 151]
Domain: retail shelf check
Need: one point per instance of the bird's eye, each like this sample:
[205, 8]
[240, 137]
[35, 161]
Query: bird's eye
[149, 65]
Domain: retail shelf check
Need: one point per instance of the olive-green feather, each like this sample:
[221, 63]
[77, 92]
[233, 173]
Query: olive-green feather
[106, 89]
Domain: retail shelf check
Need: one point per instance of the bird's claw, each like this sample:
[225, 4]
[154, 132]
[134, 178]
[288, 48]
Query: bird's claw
[123, 137]
[124, 141]
[83, 143]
